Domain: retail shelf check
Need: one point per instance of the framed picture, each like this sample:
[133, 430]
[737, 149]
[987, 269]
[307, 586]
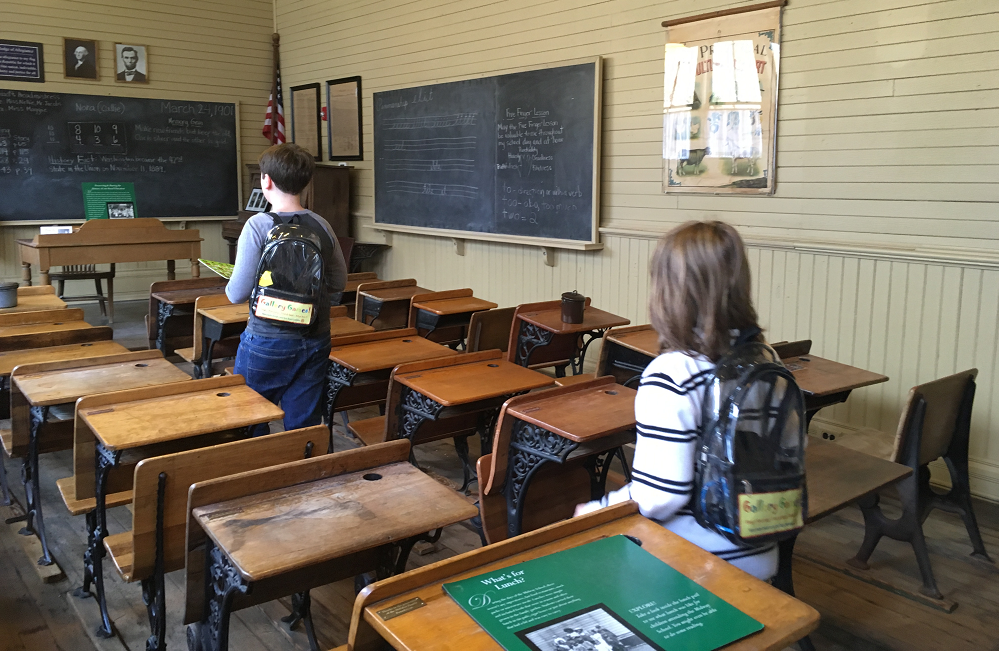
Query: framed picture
[80, 58]
[131, 63]
[121, 210]
[720, 102]
[307, 119]
[343, 119]
[21, 61]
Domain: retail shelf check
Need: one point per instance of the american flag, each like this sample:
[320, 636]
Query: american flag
[278, 137]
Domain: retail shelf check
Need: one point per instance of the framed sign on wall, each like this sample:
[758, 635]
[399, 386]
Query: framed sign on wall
[720, 101]
[343, 125]
[307, 119]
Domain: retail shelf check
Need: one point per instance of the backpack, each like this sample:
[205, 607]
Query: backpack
[290, 290]
[749, 479]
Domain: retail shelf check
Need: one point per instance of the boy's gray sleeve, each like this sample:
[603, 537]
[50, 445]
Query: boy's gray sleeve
[248, 251]
[337, 271]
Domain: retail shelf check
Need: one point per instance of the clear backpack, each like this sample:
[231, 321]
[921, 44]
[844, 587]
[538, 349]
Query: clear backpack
[291, 276]
[749, 480]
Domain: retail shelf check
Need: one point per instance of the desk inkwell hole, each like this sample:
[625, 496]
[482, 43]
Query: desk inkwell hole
[805, 359]
[493, 365]
[611, 393]
[407, 341]
[86, 344]
[222, 395]
[141, 365]
[59, 323]
[371, 476]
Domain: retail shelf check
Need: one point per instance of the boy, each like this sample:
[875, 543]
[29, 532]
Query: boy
[286, 365]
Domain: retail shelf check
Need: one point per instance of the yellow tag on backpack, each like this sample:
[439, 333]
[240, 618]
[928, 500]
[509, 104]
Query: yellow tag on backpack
[278, 309]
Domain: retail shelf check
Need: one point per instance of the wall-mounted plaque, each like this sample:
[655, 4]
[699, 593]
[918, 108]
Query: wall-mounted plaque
[343, 107]
[307, 119]
[21, 61]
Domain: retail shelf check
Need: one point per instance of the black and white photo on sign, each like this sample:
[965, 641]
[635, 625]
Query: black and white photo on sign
[594, 629]
[258, 202]
[121, 210]
[131, 63]
[80, 57]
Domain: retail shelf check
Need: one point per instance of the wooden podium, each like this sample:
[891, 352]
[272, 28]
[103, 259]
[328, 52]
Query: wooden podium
[103, 241]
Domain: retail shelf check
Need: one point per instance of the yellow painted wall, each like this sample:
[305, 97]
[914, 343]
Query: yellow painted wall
[882, 242]
[215, 50]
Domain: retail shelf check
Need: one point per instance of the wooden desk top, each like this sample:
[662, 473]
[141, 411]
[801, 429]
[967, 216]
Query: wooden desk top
[386, 353]
[593, 319]
[819, 377]
[344, 325]
[394, 293]
[442, 625]
[644, 341]
[35, 303]
[581, 416]
[14, 358]
[114, 232]
[838, 476]
[157, 420]
[465, 383]
[455, 305]
[225, 314]
[180, 296]
[61, 386]
[38, 328]
[292, 528]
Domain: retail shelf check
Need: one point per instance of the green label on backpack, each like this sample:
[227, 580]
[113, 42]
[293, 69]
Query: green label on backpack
[761, 514]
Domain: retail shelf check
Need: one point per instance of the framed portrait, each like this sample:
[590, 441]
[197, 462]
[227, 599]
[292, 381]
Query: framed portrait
[80, 59]
[131, 63]
[720, 103]
[307, 119]
[343, 119]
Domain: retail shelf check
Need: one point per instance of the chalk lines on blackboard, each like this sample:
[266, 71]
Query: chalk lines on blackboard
[431, 165]
[436, 189]
[431, 121]
[431, 144]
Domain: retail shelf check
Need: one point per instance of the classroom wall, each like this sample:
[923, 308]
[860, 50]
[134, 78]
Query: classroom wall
[213, 50]
[881, 243]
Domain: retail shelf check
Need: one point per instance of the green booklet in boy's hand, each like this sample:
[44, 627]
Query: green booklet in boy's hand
[223, 269]
[607, 595]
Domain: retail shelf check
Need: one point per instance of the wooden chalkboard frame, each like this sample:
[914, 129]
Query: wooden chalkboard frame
[594, 242]
[180, 218]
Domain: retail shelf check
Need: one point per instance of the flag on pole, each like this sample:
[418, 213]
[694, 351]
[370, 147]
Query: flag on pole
[275, 134]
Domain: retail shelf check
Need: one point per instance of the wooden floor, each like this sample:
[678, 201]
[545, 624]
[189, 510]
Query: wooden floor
[855, 614]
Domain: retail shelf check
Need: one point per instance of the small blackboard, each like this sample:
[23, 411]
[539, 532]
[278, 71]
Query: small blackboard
[181, 156]
[511, 157]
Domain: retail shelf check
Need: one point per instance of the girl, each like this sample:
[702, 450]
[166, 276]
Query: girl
[699, 303]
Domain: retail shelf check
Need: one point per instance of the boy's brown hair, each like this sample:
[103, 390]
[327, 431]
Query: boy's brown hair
[700, 289]
[289, 166]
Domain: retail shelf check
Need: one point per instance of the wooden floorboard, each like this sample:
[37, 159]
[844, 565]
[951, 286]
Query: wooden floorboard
[856, 616]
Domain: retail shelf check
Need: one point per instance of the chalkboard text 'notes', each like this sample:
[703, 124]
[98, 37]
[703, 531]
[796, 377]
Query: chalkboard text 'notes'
[506, 155]
[181, 156]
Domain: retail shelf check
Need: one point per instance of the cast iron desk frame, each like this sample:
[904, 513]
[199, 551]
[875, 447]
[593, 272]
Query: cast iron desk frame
[533, 334]
[168, 307]
[212, 332]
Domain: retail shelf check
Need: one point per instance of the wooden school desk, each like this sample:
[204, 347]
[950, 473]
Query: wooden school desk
[445, 310]
[536, 329]
[41, 328]
[386, 300]
[591, 420]
[102, 241]
[115, 430]
[35, 303]
[175, 299]
[360, 366]
[434, 622]
[287, 529]
[36, 388]
[217, 323]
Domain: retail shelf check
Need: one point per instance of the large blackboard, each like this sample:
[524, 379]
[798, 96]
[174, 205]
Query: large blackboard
[180, 155]
[512, 156]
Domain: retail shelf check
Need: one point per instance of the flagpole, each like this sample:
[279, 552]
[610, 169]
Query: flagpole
[276, 42]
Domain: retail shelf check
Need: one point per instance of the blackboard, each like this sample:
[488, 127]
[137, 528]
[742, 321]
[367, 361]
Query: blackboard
[181, 155]
[511, 157]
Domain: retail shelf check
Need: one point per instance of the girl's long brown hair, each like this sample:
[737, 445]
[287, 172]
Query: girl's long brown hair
[700, 289]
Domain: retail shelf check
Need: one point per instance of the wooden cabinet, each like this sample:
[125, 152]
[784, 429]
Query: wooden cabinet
[328, 195]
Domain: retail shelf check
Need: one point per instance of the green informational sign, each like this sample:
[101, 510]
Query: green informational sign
[104, 200]
[606, 595]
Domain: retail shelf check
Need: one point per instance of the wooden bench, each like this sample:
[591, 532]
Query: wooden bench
[449, 397]
[114, 431]
[349, 296]
[171, 305]
[551, 451]
[490, 330]
[360, 511]
[156, 543]
[444, 316]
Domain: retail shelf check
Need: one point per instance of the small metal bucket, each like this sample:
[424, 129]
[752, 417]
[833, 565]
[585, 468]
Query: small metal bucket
[572, 307]
[8, 295]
